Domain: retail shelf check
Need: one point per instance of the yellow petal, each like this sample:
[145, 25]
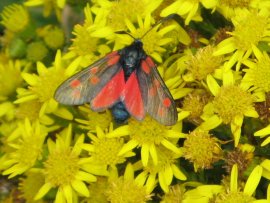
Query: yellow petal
[212, 85]
[43, 190]
[263, 132]
[253, 180]
[128, 147]
[234, 178]
[145, 154]
[80, 187]
[153, 154]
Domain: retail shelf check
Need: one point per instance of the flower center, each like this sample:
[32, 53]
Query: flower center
[204, 63]
[201, 149]
[148, 131]
[261, 74]
[83, 44]
[249, 31]
[61, 167]
[106, 151]
[236, 3]
[30, 150]
[232, 101]
[48, 82]
[121, 191]
[233, 197]
[120, 10]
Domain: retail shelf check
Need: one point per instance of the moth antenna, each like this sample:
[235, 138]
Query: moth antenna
[126, 33]
[159, 22]
[156, 24]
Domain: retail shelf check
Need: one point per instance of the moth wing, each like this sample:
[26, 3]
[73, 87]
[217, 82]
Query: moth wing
[87, 84]
[157, 99]
[132, 98]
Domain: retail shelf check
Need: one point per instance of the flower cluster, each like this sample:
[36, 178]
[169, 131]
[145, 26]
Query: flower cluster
[213, 56]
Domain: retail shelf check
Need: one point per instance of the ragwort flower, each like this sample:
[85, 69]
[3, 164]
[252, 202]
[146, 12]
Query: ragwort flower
[116, 12]
[234, 193]
[231, 103]
[93, 119]
[251, 27]
[26, 141]
[153, 40]
[104, 150]
[15, 17]
[148, 135]
[85, 46]
[128, 188]
[63, 169]
[164, 171]
[42, 86]
[188, 9]
[57, 5]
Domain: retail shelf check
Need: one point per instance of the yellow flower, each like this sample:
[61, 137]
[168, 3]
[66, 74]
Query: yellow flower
[153, 39]
[234, 194]
[250, 28]
[57, 5]
[30, 184]
[63, 169]
[164, 171]
[10, 78]
[97, 194]
[128, 188]
[7, 111]
[104, 150]
[26, 141]
[171, 71]
[202, 193]
[263, 133]
[24, 111]
[85, 46]
[203, 63]
[230, 8]
[53, 36]
[36, 51]
[231, 103]
[42, 86]
[15, 17]
[193, 105]
[148, 135]
[188, 9]
[201, 149]
[257, 74]
[116, 12]
[93, 119]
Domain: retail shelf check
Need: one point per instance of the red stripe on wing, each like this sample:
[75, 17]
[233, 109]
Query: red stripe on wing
[110, 93]
[132, 98]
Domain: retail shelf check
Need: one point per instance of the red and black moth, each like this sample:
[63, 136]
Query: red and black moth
[127, 81]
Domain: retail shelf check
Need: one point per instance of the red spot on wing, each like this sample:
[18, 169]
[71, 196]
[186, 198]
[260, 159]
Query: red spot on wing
[156, 83]
[132, 97]
[150, 62]
[152, 91]
[94, 70]
[75, 83]
[167, 102]
[94, 80]
[145, 67]
[110, 93]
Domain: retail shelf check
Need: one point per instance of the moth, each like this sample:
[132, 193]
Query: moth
[126, 81]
